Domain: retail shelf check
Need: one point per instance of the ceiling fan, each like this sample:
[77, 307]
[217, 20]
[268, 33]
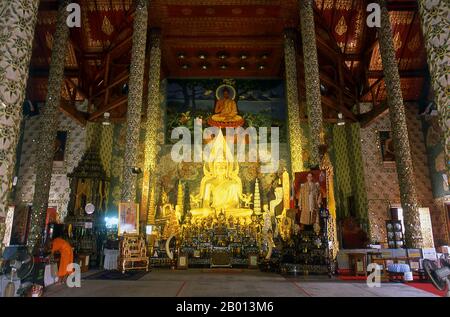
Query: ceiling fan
[439, 276]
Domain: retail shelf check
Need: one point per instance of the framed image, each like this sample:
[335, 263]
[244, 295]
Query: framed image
[386, 146]
[128, 218]
[21, 224]
[252, 261]
[60, 146]
[182, 263]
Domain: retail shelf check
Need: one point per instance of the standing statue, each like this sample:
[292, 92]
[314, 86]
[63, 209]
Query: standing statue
[309, 201]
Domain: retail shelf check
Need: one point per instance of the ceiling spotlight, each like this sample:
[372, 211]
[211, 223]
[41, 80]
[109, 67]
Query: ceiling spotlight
[223, 67]
[125, 89]
[181, 56]
[341, 120]
[261, 67]
[222, 55]
[202, 56]
[265, 56]
[185, 66]
[244, 56]
[243, 67]
[136, 170]
[204, 67]
[323, 89]
[106, 119]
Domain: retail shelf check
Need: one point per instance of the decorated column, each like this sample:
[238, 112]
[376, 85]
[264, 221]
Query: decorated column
[294, 130]
[435, 28]
[17, 24]
[312, 79]
[153, 121]
[136, 84]
[49, 127]
[408, 195]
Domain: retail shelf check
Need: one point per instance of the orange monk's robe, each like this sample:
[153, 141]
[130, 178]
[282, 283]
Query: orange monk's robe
[65, 249]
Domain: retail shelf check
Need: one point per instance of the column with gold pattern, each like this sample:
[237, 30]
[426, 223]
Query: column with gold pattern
[435, 28]
[406, 179]
[153, 124]
[312, 79]
[136, 86]
[49, 127]
[294, 130]
[17, 25]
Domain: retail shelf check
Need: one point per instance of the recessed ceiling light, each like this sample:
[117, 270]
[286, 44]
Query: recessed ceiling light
[265, 56]
[202, 56]
[181, 56]
[185, 66]
[244, 56]
[341, 120]
[204, 67]
[261, 67]
[223, 67]
[243, 67]
[106, 119]
[223, 56]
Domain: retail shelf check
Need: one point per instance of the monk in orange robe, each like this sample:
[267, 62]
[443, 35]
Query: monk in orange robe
[65, 250]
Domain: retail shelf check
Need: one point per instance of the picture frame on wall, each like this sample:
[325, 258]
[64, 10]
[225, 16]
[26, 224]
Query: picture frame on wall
[182, 263]
[252, 261]
[128, 218]
[60, 146]
[386, 146]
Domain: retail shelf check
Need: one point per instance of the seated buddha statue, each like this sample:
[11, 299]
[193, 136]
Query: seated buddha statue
[220, 190]
[226, 112]
[220, 187]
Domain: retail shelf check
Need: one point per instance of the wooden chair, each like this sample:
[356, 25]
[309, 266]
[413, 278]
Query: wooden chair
[133, 250]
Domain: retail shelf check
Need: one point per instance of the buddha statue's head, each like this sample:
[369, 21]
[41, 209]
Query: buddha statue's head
[221, 169]
[226, 93]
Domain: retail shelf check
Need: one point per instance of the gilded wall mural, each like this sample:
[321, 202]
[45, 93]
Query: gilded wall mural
[381, 177]
[74, 150]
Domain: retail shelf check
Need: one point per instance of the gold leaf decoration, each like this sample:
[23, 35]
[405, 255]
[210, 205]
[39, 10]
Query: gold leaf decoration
[341, 27]
[49, 40]
[414, 44]
[397, 41]
[107, 27]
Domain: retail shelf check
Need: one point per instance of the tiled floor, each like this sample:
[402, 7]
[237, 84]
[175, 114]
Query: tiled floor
[239, 283]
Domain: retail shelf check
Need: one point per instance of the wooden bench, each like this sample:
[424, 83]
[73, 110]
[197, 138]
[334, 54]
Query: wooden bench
[133, 254]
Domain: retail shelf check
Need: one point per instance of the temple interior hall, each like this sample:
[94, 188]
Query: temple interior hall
[224, 148]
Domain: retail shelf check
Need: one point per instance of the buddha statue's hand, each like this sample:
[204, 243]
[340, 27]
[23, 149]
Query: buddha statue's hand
[316, 228]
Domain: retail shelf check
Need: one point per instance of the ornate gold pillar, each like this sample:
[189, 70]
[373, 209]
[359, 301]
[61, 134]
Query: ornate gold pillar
[406, 179]
[136, 84]
[49, 127]
[293, 111]
[17, 24]
[435, 28]
[312, 79]
[152, 125]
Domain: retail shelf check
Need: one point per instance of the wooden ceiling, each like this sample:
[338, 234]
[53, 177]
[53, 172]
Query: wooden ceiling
[227, 38]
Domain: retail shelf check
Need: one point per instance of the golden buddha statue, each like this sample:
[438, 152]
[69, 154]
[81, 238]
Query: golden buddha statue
[226, 111]
[221, 187]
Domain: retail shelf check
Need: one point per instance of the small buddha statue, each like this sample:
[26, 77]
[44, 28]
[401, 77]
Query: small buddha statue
[226, 110]
[276, 205]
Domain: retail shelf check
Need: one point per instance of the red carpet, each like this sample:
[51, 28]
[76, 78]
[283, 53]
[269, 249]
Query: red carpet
[352, 278]
[427, 287]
